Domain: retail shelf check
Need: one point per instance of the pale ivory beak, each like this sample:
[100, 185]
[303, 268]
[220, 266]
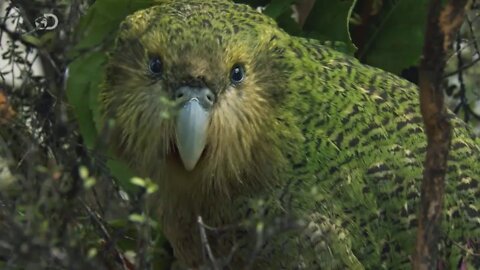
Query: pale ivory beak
[191, 135]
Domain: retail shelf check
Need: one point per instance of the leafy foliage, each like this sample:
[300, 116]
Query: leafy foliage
[396, 34]
[62, 208]
[331, 20]
[95, 33]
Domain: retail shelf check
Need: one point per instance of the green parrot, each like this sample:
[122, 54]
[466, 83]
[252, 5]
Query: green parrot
[273, 151]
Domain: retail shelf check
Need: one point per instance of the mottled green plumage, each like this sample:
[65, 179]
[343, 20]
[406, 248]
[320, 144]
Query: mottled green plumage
[316, 156]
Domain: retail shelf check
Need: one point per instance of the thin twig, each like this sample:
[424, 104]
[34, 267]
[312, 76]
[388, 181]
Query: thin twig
[127, 265]
[463, 98]
[466, 66]
[468, 251]
[16, 36]
[258, 245]
[472, 35]
[205, 245]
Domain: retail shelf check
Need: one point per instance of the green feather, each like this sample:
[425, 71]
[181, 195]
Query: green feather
[316, 158]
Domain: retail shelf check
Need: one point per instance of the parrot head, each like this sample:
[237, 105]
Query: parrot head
[194, 92]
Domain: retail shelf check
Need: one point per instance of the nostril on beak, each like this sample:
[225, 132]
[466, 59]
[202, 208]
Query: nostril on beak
[203, 95]
[180, 93]
[208, 96]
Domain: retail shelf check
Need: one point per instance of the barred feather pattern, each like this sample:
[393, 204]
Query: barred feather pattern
[315, 162]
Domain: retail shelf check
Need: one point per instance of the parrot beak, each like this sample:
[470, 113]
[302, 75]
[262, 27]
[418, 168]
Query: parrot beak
[191, 124]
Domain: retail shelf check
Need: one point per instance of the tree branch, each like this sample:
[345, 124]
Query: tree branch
[442, 25]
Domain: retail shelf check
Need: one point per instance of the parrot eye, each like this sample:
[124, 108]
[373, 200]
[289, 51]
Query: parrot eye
[237, 74]
[155, 65]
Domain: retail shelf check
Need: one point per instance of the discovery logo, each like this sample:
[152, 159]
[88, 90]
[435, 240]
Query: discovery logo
[47, 21]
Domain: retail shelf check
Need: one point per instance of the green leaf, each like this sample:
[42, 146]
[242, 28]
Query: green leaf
[137, 218]
[138, 181]
[124, 175]
[95, 34]
[287, 23]
[278, 7]
[396, 42]
[329, 21]
[83, 80]
[102, 20]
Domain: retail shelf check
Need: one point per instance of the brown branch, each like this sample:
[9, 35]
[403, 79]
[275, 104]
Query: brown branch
[442, 25]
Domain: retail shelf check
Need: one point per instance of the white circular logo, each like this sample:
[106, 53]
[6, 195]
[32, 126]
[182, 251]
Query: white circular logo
[47, 21]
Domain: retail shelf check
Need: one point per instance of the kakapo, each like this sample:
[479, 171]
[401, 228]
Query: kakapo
[299, 155]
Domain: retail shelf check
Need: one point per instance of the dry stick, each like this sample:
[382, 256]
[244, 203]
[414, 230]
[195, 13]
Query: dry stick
[441, 26]
[126, 264]
[205, 245]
